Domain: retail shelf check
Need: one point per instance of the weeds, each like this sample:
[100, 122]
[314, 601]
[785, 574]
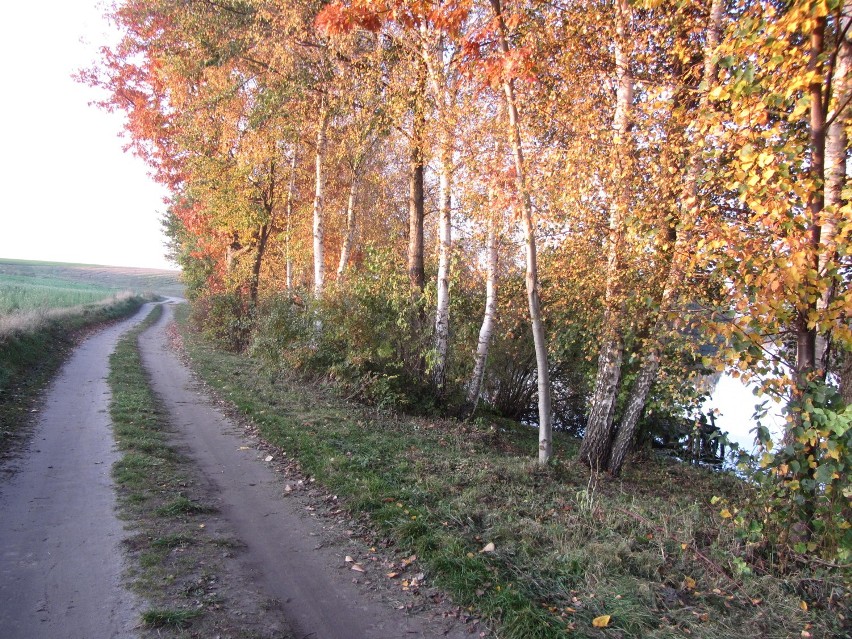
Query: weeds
[158, 618]
[649, 550]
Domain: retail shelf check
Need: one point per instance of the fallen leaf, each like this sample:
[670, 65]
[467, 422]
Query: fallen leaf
[803, 605]
[489, 547]
[244, 448]
[357, 568]
[601, 622]
[689, 582]
[726, 514]
[348, 559]
[393, 575]
[268, 458]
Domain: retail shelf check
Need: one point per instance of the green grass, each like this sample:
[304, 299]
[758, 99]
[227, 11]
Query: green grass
[158, 618]
[22, 293]
[61, 280]
[649, 550]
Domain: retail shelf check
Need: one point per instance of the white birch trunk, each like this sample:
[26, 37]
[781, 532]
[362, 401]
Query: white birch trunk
[442, 312]
[597, 441]
[545, 437]
[319, 192]
[436, 70]
[288, 210]
[349, 235]
[485, 332]
[835, 170]
[677, 268]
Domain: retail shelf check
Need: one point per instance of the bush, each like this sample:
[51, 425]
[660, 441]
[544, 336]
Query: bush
[226, 319]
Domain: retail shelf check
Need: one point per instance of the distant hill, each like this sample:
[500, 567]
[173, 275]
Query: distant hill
[114, 278]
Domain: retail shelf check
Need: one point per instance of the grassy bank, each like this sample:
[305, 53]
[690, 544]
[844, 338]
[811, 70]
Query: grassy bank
[32, 347]
[179, 562]
[540, 552]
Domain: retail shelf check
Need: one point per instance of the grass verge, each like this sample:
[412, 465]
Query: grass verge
[179, 563]
[31, 354]
[540, 552]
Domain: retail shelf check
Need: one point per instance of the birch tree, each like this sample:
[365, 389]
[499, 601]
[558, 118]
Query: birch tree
[681, 255]
[595, 448]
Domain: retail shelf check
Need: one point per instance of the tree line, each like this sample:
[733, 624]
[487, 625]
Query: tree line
[566, 212]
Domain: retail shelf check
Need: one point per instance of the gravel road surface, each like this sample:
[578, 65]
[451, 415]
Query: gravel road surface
[61, 562]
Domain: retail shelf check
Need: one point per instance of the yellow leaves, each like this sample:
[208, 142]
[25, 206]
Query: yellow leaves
[725, 514]
[689, 583]
[803, 605]
[719, 93]
[601, 622]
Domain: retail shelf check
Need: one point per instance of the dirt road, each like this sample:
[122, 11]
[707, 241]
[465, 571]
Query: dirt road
[61, 560]
[60, 557]
[288, 553]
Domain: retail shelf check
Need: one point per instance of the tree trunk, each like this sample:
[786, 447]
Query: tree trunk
[652, 354]
[260, 251]
[596, 446]
[416, 270]
[442, 313]
[805, 334]
[291, 190]
[349, 236]
[475, 386]
[835, 171]
[319, 232]
[545, 438]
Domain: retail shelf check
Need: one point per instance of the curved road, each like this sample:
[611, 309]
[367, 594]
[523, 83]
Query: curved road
[61, 562]
[60, 556]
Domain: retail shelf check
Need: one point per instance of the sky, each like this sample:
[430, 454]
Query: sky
[69, 191]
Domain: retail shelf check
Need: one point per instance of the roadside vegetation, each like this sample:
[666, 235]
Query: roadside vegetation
[34, 344]
[176, 556]
[45, 308]
[540, 551]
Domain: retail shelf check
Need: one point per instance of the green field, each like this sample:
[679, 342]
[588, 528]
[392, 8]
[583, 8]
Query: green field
[29, 285]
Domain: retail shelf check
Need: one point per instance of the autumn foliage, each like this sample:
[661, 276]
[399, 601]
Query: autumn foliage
[665, 184]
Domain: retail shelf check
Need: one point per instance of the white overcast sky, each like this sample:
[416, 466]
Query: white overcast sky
[69, 192]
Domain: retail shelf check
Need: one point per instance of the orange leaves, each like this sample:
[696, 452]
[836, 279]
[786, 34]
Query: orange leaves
[338, 19]
[334, 19]
[515, 64]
